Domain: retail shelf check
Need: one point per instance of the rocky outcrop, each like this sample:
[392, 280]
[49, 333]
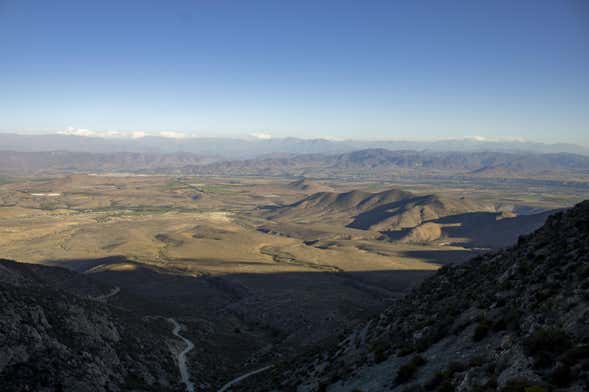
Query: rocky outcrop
[515, 320]
[54, 337]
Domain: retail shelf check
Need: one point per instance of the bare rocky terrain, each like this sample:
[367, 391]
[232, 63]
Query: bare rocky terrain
[57, 334]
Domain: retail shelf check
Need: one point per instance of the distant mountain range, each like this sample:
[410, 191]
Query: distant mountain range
[18, 163]
[233, 148]
[281, 157]
[383, 163]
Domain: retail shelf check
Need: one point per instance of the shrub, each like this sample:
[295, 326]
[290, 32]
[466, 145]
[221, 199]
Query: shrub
[481, 331]
[535, 388]
[455, 367]
[561, 376]
[379, 355]
[476, 361]
[492, 383]
[423, 344]
[379, 349]
[405, 350]
[545, 343]
[134, 382]
[522, 385]
[500, 325]
[446, 386]
[575, 355]
[419, 360]
[434, 383]
[408, 370]
[516, 385]
[510, 320]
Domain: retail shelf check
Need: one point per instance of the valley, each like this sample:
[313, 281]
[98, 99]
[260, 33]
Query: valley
[257, 269]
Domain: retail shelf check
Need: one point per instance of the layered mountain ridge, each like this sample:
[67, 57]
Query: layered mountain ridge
[366, 163]
[379, 163]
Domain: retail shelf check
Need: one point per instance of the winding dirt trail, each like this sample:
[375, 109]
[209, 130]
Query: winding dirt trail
[104, 297]
[184, 372]
[241, 378]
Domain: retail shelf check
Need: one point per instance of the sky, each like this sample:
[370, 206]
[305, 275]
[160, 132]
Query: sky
[409, 70]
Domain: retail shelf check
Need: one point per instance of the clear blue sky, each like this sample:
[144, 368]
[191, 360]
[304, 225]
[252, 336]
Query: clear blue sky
[350, 69]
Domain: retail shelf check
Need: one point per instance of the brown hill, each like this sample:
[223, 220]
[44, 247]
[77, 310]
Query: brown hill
[308, 186]
[403, 216]
[331, 203]
[413, 211]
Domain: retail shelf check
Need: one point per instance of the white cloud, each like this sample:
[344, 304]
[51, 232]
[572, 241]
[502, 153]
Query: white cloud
[138, 134]
[173, 135]
[333, 138]
[495, 139]
[103, 134]
[77, 132]
[263, 136]
[112, 134]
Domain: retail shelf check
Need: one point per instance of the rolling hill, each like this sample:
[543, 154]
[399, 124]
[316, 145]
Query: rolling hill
[409, 218]
[415, 210]
[308, 186]
[333, 203]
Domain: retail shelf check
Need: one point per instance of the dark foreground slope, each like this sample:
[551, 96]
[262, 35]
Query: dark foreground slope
[516, 320]
[56, 334]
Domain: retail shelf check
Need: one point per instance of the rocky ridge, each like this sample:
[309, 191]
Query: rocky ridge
[55, 337]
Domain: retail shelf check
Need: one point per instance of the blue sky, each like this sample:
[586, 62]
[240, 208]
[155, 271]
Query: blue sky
[346, 69]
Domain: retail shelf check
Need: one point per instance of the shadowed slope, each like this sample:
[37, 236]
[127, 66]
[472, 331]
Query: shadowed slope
[507, 321]
[55, 337]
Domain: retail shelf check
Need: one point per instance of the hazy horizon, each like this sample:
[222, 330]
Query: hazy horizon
[137, 135]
